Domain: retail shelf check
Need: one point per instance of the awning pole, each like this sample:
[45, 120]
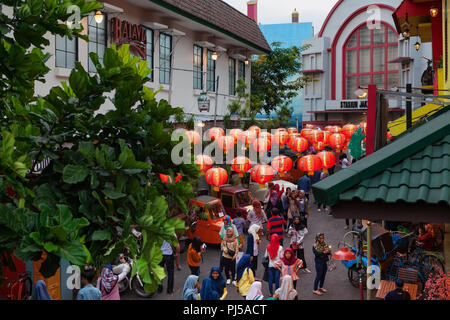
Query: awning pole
[369, 257]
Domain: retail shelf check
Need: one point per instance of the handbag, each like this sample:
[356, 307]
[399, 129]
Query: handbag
[231, 253]
[265, 262]
[331, 265]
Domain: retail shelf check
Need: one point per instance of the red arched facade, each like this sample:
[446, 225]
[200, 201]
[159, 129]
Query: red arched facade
[366, 54]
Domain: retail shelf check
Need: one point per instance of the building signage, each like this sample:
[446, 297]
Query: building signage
[126, 33]
[353, 104]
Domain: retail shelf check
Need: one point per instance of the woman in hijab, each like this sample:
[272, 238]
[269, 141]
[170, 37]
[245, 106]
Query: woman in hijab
[321, 252]
[289, 265]
[297, 235]
[40, 291]
[253, 241]
[191, 288]
[107, 283]
[230, 250]
[218, 283]
[257, 215]
[227, 223]
[208, 292]
[274, 251]
[255, 292]
[194, 256]
[244, 275]
[286, 291]
[274, 197]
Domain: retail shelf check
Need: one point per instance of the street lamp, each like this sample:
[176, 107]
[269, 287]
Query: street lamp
[360, 93]
[434, 12]
[214, 55]
[98, 16]
[417, 46]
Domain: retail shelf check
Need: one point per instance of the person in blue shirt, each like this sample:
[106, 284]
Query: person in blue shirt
[89, 292]
[398, 293]
[304, 183]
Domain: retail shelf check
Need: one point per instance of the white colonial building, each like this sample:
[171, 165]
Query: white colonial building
[188, 44]
[358, 45]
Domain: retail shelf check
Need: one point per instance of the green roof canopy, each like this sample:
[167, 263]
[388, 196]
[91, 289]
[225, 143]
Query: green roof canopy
[414, 168]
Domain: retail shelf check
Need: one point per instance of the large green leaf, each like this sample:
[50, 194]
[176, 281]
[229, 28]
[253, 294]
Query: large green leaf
[74, 173]
[73, 252]
[113, 194]
[101, 235]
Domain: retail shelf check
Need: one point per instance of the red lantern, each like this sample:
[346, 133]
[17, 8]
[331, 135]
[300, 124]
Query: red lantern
[326, 137]
[281, 130]
[225, 143]
[216, 177]
[204, 162]
[262, 174]
[216, 132]
[236, 134]
[255, 129]
[291, 138]
[309, 126]
[241, 165]
[193, 136]
[168, 179]
[316, 136]
[262, 145]
[265, 135]
[281, 137]
[247, 137]
[282, 164]
[335, 129]
[389, 135]
[328, 160]
[292, 130]
[337, 141]
[299, 145]
[328, 128]
[305, 133]
[319, 146]
[364, 126]
[310, 163]
[348, 130]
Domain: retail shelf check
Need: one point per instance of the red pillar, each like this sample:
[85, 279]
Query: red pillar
[371, 119]
[252, 10]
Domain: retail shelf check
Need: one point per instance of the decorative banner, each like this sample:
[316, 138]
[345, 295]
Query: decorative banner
[126, 33]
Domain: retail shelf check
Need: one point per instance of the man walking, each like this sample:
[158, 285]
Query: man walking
[275, 225]
[304, 183]
[167, 261]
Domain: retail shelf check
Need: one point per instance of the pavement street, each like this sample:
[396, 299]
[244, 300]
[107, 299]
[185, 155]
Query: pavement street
[336, 282]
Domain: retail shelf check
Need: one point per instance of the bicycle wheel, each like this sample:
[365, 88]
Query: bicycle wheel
[430, 264]
[353, 277]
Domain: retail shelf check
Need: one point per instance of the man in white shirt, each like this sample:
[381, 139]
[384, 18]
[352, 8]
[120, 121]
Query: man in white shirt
[168, 262]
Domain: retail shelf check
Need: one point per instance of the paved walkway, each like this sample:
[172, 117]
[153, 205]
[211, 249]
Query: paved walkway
[336, 282]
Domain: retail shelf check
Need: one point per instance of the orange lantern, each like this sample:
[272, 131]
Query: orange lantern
[281, 138]
[281, 130]
[337, 141]
[328, 160]
[255, 129]
[282, 164]
[193, 136]
[299, 145]
[235, 133]
[247, 137]
[265, 135]
[241, 165]
[216, 132]
[348, 130]
[225, 143]
[364, 126]
[262, 145]
[292, 137]
[335, 129]
[168, 179]
[309, 126]
[319, 146]
[305, 133]
[328, 128]
[204, 162]
[262, 174]
[316, 136]
[326, 137]
[292, 130]
[310, 163]
[216, 177]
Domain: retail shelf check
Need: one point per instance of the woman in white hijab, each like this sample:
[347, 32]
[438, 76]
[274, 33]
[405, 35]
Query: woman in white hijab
[253, 241]
[286, 291]
[255, 292]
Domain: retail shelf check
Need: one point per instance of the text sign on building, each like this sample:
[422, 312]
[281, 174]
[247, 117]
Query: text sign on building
[135, 35]
[353, 104]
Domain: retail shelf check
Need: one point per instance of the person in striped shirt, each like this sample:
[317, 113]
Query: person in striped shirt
[275, 225]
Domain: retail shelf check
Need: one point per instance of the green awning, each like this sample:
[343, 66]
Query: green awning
[414, 168]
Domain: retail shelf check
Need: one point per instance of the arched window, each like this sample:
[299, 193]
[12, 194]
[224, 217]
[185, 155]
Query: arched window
[366, 59]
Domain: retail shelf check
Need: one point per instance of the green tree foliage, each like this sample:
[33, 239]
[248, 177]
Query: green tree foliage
[274, 82]
[100, 175]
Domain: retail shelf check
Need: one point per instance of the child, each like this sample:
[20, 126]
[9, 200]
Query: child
[239, 222]
[89, 292]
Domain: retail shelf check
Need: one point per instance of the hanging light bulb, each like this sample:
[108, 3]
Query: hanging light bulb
[434, 12]
[214, 55]
[417, 46]
[98, 16]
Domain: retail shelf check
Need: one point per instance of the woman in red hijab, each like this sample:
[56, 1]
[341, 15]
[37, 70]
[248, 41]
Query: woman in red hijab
[289, 265]
[275, 252]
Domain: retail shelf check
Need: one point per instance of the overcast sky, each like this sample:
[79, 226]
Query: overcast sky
[279, 11]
